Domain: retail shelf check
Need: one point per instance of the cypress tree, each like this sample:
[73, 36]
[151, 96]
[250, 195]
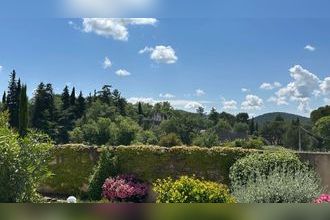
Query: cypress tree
[81, 105]
[65, 97]
[13, 101]
[4, 102]
[73, 97]
[23, 112]
[140, 109]
[252, 126]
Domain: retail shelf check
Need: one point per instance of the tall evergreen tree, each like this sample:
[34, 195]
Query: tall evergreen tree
[140, 109]
[73, 97]
[214, 116]
[23, 112]
[80, 105]
[65, 97]
[4, 102]
[252, 127]
[13, 101]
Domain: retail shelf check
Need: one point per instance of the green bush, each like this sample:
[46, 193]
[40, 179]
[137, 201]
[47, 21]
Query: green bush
[207, 139]
[252, 143]
[279, 186]
[263, 164]
[170, 140]
[23, 163]
[191, 190]
[107, 167]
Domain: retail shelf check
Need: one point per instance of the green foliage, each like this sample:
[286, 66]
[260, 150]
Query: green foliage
[263, 164]
[191, 190]
[23, 112]
[24, 163]
[147, 137]
[280, 185]
[322, 128]
[170, 140]
[320, 113]
[251, 143]
[206, 139]
[242, 128]
[107, 167]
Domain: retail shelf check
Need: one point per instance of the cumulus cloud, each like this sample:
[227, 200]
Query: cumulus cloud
[325, 86]
[252, 102]
[167, 96]
[105, 8]
[116, 28]
[229, 105]
[270, 86]
[161, 54]
[107, 64]
[309, 48]
[1, 68]
[122, 72]
[278, 100]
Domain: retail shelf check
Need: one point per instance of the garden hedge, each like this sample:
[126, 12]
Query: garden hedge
[74, 165]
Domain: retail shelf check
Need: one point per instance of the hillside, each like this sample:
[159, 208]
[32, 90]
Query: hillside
[287, 117]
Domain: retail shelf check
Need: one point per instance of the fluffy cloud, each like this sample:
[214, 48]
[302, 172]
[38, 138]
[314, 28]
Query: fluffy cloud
[200, 92]
[135, 100]
[167, 96]
[229, 105]
[310, 48]
[278, 100]
[161, 54]
[325, 86]
[107, 64]
[252, 102]
[269, 86]
[1, 68]
[304, 86]
[116, 28]
[193, 105]
[122, 72]
[105, 8]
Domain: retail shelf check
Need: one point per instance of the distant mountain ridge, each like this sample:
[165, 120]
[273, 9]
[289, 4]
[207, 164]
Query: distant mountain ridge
[287, 117]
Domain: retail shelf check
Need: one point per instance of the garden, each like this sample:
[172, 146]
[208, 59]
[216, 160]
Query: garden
[32, 168]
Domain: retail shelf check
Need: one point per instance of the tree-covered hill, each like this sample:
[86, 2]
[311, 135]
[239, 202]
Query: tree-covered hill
[262, 119]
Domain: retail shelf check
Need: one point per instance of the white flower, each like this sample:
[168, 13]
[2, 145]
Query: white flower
[71, 199]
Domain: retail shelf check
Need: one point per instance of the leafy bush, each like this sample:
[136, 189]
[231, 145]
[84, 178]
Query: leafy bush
[263, 164]
[280, 185]
[23, 163]
[322, 128]
[107, 167]
[125, 188]
[191, 190]
[170, 140]
[324, 198]
[252, 143]
[207, 139]
[146, 137]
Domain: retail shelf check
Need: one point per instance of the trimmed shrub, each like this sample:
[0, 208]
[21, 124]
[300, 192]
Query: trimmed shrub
[262, 164]
[280, 185]
[107, 167]
[170, 140]
[191, 190]
[125, 188]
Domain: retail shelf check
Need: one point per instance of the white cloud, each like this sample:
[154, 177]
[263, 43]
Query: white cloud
[304, 105]
[278, 100]
[325, 86]
[161, 54]
[245, 90]
[270, 86]
[200, 92]
[193, 105]
[167, 96]
[310, 48]
[116, 28]
[229, 105]
[1, 68]
[148, 100]
[123, 72]
[105, 8]
[107, 64]
[252, 102]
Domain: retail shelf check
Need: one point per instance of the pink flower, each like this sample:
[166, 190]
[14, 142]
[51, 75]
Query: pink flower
[324, 198]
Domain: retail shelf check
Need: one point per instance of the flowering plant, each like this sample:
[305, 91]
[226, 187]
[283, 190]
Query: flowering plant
[124, 188]
[323, 199]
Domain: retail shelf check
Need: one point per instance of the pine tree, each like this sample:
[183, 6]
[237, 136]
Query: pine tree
[65, 98]
[23, 112]
[73, 97]
[4, 102]
[80, 105]
[13, 101]
[214, 116]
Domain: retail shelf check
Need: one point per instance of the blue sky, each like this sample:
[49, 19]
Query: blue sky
[202, 55]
